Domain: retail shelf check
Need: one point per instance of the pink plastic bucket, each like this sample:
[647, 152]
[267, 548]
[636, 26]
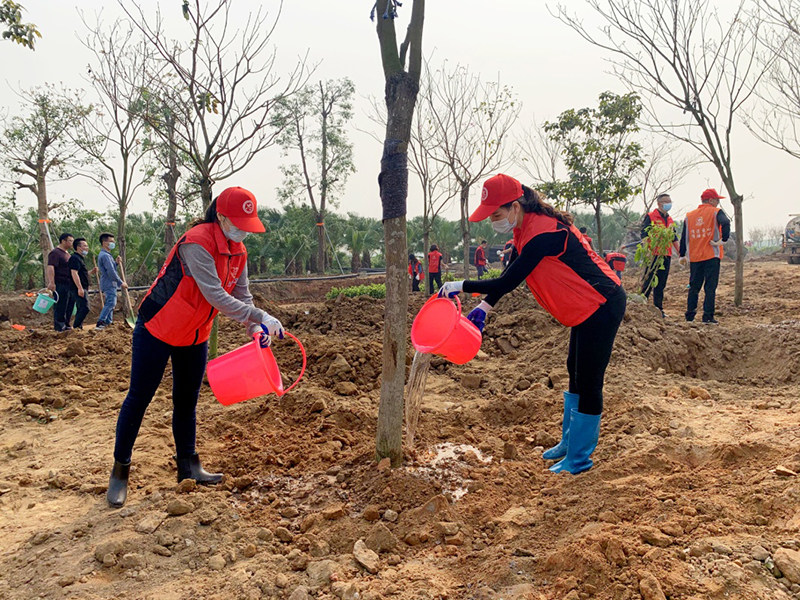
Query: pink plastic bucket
[440, 328]
[249, 372]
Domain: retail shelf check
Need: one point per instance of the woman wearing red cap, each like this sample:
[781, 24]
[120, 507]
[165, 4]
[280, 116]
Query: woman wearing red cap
[573, 284]
[205, 273]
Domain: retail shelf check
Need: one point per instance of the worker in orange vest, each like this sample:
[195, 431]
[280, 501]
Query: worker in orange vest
[659, 215]
[204, 273]
[571, 282]
[705, 230]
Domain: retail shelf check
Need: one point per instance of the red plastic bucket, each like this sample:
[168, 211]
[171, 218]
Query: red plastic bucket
[248, 372]
[440, 328]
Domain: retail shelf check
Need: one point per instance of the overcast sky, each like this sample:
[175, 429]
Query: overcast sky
[548, 66]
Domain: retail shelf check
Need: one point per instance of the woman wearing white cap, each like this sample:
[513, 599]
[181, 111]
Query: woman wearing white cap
[573, 284]
[205, 273]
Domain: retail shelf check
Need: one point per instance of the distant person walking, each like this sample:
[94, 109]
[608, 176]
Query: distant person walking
[59, 281]
[434, 268]
[480, 258]
[80, 280]
[415, 272]
[659, 216]
[110, 281]
[507, 253]
[705, 230]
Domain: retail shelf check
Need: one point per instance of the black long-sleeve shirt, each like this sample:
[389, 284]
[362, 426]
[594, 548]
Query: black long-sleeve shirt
[539, 247]
[722, 220]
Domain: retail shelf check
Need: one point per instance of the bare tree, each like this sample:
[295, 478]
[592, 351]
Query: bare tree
[681, 57]
[313, 125]
[227, 86]
[38, 148]
[757, 236]
[664, 170]
[112, 133]
[402, 88]
[539, 156]
[778, 121]
[471, 121]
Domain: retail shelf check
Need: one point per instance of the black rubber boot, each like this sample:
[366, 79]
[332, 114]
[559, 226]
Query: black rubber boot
[190, 468]
[118, 485]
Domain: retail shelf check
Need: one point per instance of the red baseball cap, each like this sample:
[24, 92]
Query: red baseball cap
[711, 194]
[239, 205]
[497, 191]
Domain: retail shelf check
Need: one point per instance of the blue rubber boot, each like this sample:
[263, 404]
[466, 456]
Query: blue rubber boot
[560, 449]
[584, 431]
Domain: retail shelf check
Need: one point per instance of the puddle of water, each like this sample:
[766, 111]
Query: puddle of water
[415, 390]
[446, 463]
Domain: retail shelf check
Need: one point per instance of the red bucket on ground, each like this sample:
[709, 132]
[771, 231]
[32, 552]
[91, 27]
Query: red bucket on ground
[440, 328]
[249, 372]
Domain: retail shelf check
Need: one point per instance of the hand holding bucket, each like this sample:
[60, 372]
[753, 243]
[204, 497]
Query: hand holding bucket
[248, 372]
[440, 328]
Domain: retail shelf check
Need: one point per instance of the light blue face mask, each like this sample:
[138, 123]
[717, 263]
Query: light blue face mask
[84, 252]
[233, 233]
[112, 245]
[668, 207]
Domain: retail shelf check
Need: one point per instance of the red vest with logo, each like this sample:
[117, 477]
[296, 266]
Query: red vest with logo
[434, 258]
[174, 309]
[701, 229]
[656, 217]
[556, 286]
[480, 256]
[616, 260]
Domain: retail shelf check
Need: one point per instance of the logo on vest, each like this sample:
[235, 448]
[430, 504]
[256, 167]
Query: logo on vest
[248, 207]
[699, 221]
[484, 195]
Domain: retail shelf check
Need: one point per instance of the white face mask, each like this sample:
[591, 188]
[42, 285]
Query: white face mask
[232, 232]
[504, 225]
[84, 252]
[112, 245]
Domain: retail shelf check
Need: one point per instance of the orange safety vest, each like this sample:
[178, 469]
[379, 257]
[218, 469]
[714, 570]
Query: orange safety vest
[174, 309]
[557, 287]
[656, 217]
[434, 258]
[616, 260]
[415, 270]
[701, 229]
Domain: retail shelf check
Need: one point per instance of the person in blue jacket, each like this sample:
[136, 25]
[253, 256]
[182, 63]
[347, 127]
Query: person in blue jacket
[110, 281]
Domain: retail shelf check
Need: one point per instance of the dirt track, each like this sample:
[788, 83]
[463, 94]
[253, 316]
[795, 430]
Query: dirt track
[684, 499]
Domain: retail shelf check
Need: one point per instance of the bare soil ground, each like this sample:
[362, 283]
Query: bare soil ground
[693, 494]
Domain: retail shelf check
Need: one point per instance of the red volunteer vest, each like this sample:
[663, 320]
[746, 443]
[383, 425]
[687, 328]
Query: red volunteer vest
[556, 286]
[434, 258]
[174, 309]
[655, 217]
[480, 257]
[415, 269]
[616, 260]
[702, 228]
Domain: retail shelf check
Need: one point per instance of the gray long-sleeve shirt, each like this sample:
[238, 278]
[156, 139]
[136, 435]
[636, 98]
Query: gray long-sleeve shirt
[109, 278]
[238, 305]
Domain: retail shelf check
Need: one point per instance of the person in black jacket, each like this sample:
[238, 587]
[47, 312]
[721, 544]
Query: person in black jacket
[80, 280]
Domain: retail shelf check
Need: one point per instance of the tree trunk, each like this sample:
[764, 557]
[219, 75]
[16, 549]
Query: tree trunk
[121, 242]
[598, 221]
[205, 192]
[401, 96]
[171, 179]
[426, 238]
[464, 201]
[320, 244]
[43, 211]
[355, 262]
[366, 260]
[738, 285]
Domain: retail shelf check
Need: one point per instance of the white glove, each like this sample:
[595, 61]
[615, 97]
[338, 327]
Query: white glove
[682, 261]
[717, 244]
[272, 326]
[499, 253]
[451, 289]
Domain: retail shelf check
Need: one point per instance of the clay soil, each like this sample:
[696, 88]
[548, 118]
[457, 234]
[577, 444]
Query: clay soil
[693, 494]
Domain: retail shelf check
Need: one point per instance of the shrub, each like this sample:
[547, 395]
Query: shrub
[375, 290]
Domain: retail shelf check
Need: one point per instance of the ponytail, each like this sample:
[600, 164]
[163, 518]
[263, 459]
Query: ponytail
[533, 202]
[209, 217]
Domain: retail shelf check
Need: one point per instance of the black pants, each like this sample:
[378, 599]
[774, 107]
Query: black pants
[437, 277]
[590, 345]
[703, 274]
[481, 270]
[415, 283]
[148, 362]
[658, 290]
[62, 313]
[83, 307]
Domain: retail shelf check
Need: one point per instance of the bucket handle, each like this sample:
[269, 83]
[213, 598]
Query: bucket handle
[47, 292]
[302, 352]
[458, 314]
